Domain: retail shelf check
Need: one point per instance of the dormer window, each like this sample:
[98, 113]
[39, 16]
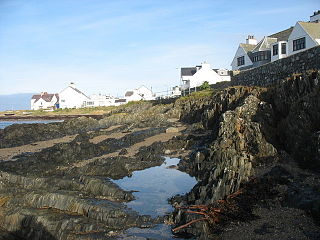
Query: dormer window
[240, 61]
[299, 44]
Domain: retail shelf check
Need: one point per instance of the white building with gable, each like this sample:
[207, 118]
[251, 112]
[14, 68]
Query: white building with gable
[71, 97]
[102, 100]
[141, 93]
[303, 36]
[44, 100]
[192, 77]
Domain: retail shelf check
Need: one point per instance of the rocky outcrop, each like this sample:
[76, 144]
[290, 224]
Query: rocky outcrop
[297, 105]
[254, 131]
[252, 147]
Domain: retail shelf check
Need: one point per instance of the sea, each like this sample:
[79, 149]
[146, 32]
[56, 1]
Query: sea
[4, 124]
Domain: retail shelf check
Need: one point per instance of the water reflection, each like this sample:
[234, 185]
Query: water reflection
[155, 185]
[4, 124]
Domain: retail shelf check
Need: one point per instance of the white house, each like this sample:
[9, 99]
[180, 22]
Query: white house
[241, 59]
[44, 101]
[176, 91]
[102, 100]
[195, 76]
[302, 36]
[71, 97]
[141, 93]
[305, 35]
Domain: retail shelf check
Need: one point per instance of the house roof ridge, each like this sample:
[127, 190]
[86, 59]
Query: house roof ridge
[78, 91]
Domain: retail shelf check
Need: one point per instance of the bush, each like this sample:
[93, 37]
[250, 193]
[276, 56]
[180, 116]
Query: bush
[205, 86]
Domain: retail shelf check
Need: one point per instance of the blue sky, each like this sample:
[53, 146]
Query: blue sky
[110, 46]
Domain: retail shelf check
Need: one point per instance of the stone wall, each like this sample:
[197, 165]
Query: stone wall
[272, 72]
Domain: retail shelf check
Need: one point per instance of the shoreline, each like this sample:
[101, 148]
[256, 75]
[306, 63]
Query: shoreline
[48, 117]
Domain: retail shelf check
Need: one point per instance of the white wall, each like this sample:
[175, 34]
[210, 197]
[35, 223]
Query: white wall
[225, 78]
[69, 98]
[42, 104]
[299, 32]
[145, 93]
[134, 97]
[247, 61]
[102, 100]
[280, 55]
[205, 73]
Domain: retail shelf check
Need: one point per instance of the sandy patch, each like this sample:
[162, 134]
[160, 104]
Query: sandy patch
[7, 154]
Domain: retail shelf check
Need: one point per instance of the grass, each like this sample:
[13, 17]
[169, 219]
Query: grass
[70, 111]
[73, 111]
[200, 94]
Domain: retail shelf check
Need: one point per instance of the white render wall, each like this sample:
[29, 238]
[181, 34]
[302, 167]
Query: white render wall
[280, 55]
[42, 104]
[102, 100]
[134, 97]
[226, 78]
[299, 32]
[145, 92]
[247, 61]
[69, 98]
[204, 74]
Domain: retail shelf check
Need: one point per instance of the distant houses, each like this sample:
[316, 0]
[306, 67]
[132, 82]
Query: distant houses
[72, 97]
[303, 36]
[192, 77]
[141, 93]
[44, 100]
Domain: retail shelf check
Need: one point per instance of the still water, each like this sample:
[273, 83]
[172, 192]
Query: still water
[154, 186]
[4, 124]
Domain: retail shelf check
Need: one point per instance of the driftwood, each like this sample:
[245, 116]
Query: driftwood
[210, 213]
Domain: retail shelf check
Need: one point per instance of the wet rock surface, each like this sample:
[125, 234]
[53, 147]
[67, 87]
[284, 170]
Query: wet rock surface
[254, 152]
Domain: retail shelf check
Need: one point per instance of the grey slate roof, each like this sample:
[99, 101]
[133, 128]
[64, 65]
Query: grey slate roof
[264, 44]
[128, 94]
[46, 97]
[247, 47]
[312, 28]
[283, 35]
[190, 71]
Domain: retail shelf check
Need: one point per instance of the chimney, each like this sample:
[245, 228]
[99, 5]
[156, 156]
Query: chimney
[315, 17]
[251, 40]
[72, 84]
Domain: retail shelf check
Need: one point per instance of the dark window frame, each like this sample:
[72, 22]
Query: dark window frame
[260, 56]
[283, 48]
[275, 50]
[240, 61]
[299, 44]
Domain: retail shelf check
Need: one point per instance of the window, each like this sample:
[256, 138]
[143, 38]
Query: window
[299, 44]
[62, 100]
[260, 56]
[240, 61]
[283, 48]
[275, 49]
